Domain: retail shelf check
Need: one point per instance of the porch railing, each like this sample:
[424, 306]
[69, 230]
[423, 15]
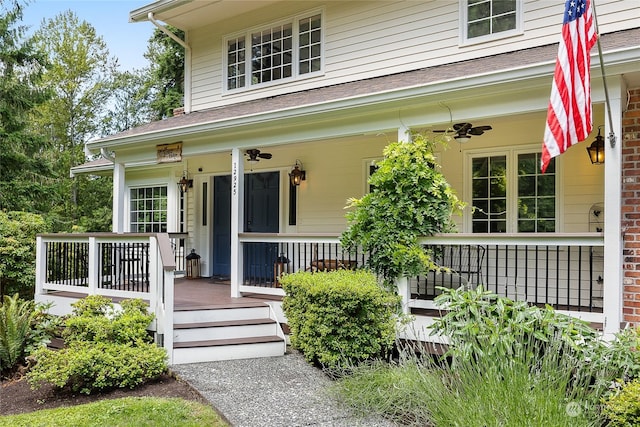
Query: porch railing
[113, 265]
[267, 256]
[562, 270]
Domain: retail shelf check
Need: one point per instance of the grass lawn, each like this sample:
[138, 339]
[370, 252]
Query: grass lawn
[128, 411]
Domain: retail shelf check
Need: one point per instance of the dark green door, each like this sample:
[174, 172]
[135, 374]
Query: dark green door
[261, 211]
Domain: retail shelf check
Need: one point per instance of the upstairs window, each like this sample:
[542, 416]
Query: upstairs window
[488, 19]
[277, 52]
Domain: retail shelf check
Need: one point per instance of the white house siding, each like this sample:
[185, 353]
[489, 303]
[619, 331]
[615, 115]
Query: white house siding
[368, 39]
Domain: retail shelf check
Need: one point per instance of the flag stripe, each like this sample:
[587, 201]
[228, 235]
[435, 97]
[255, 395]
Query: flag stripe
[569, 112]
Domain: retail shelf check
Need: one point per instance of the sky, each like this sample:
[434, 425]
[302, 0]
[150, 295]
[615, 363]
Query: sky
[126, 41]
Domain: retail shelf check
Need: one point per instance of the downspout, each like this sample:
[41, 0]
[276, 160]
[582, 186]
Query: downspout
[107, 155]
[187, 60]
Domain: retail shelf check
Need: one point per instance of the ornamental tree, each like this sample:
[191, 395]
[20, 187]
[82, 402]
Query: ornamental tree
[410, 198]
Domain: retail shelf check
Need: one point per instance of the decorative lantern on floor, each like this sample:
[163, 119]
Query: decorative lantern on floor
[279, 267]
[193, 265]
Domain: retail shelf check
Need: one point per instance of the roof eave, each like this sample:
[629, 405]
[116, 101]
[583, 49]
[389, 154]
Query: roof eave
[141, 14]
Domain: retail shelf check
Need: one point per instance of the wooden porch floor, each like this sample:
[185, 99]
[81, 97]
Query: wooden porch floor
[190, 294]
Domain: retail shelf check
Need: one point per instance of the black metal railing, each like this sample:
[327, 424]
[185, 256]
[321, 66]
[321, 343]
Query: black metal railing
[67, 263]
[124, 266]
[565, 276]
[265, 262]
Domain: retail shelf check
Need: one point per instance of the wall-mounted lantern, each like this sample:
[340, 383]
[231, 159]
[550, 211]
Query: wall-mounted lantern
[297, 175]
[185, 183]
[596, 150]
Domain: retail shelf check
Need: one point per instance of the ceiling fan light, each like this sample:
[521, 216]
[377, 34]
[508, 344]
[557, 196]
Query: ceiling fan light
[462, 139]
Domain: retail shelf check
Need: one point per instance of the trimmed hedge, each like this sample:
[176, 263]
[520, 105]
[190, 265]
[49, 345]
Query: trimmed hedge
[108, 348]
[339, 317]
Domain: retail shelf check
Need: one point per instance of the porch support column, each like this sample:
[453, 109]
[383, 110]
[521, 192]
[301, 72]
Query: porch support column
[118, 197]
[404, 134]
[613, 275]
[237, 220]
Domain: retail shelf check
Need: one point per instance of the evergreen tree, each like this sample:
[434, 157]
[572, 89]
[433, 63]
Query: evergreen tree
[25, 172]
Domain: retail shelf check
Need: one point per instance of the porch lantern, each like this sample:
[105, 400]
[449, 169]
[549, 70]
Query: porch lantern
[596, 150]
[297, 175]
[193, 265]
[185, 183]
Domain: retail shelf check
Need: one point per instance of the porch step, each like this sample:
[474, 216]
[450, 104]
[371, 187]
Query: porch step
[225, 332]
[222, 313]
[229, 349]
[206, 331]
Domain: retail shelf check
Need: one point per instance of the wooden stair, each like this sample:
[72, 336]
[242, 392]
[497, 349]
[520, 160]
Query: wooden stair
[226, 332]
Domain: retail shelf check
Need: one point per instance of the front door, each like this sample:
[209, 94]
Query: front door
[261, 212]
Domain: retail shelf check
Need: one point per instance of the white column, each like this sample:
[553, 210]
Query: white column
[613, 275]
[118, 197]
[237, 220]
[404, 134]
[405, 293]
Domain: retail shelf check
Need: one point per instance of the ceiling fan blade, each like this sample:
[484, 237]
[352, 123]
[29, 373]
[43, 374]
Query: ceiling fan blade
[440, 130]
[479, 130]
[462, 127]
[265, 155]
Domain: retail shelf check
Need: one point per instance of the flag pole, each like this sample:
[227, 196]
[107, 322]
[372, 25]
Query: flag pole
[612, 136]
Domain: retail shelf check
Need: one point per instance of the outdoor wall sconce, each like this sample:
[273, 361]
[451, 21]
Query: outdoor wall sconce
[297, 175]
[185, 183]
[596, 150]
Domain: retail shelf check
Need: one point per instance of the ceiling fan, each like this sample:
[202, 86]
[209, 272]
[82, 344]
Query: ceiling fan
[463, 131]
[255, 155]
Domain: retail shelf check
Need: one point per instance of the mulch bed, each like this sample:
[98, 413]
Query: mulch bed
[17, 397]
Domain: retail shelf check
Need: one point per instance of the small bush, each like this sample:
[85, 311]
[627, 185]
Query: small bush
[107, 348]
[92, 366]
[479, 321]
[621, 356]
[340, 316]
[95, 319]
[622, 409]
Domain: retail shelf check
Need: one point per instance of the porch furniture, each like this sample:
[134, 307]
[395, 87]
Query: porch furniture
[332, 264]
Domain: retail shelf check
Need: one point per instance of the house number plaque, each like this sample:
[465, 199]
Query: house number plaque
[168, 153]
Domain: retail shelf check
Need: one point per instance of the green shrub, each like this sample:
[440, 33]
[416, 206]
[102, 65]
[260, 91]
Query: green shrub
[622, 355]
[622, 408]
[18, 232]
[95, 319]
[107, 348]
[479, 321]
[339, 316]
[93, 366]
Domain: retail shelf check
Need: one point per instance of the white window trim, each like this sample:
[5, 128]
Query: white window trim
[296, 76]
[465, 41]
[512, 185]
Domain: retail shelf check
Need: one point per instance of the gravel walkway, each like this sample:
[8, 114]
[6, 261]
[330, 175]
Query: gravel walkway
[273, 391]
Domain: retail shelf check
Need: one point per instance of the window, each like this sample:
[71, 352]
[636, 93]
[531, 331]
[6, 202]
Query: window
[149, 209]
[276, 52]
[485, 18]
[509, 194]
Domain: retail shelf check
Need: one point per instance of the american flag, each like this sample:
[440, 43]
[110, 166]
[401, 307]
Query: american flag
[569, 111]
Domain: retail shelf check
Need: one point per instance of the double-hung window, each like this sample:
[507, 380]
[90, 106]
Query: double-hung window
[489, 19]
[289, 49]
[148, 209]
[509, 194]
